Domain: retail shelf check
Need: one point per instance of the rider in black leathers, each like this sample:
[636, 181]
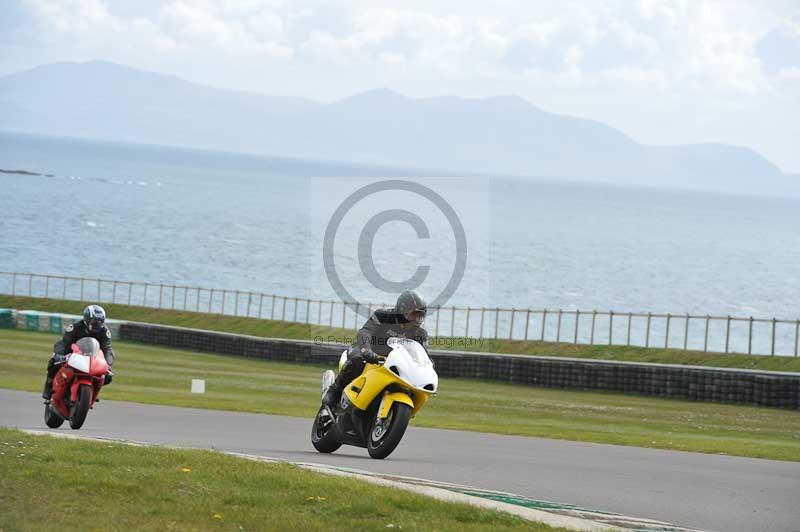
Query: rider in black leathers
[404, 320]
[93, 324]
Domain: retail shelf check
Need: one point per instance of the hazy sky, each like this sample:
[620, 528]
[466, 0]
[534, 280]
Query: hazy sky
[663, 71]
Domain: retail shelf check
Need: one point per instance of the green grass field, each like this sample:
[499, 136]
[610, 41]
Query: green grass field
[121, 487]
[279, 329]
[274, 388]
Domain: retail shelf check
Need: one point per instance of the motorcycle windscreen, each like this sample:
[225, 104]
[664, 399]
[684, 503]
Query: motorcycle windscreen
[88, 346]
[415, 350]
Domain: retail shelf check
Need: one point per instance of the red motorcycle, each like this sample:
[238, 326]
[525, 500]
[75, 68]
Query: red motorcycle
[76, 384]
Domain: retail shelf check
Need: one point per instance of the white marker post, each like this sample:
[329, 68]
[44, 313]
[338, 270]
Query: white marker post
[198, 386]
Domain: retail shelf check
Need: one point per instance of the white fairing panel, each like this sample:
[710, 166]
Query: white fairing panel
[79, 362]
[412, 363]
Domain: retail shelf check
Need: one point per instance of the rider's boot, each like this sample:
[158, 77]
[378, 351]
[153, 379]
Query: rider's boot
[351, 369]
[47, 393]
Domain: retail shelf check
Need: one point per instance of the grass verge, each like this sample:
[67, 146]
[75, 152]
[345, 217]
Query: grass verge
[249, 385]
[280, 329]
[50, 482]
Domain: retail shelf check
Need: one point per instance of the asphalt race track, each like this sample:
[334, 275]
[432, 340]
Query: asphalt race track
[710, 492]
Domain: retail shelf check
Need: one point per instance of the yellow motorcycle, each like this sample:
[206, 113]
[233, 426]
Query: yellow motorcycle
[376, 406]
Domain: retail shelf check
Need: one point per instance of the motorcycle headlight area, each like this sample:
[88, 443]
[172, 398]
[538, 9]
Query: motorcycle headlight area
[79, 362]
[419, 376]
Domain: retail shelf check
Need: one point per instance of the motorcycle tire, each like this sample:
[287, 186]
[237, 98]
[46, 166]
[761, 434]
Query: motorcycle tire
[324, 441]
[381, 443]
[51, 419]
[81, 407]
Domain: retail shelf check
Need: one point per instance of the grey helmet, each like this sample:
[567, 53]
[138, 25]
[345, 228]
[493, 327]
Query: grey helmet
[412, 306]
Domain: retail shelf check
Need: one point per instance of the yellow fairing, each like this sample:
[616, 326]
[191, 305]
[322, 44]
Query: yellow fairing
[373, 381]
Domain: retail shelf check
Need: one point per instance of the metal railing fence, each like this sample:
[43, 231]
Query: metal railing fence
[707, 333]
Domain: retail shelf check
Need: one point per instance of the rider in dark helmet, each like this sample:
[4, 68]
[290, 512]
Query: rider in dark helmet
[404, 320]
[92, 325]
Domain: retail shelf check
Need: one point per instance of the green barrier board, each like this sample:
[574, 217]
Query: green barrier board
[55, 324]
[6, 318]
[32, 321]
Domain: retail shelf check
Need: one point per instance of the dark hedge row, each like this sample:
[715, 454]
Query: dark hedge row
[680, 382]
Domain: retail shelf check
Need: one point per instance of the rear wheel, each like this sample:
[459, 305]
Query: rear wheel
[387, 433]
[323, 433]
[81, 407]
[51, 419]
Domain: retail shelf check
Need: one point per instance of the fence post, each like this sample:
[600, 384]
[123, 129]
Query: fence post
[130, 291]
[466, 327]
[705, 339]
[172, 297]
[453, 322]
[496, 321]
[666, 336]
[483, 311]
[224, 297]
[319, 312]
[772, 351]
[527, 322]
[249, 302]
[260, 303]
[236, 304]
[647, 335]
[796, 336]
[144, 297]
[161, 296]
[308, 310]
[544, 321]
[610, 326]
[210, 300]
[64, 287]
[81, 288]
[355, 319]
[577, 321]
[511, 328]
[686, 333]
[628, 341]
[185, 296]
[438, 317]
[46, 286]
[330, 316]
[114, 293]
[727, 333]
[272, 308]
[558, 327]
[14, 284]
[30, 284]
[750, 336]
[283, 309]
[594, 318]
[197, 300]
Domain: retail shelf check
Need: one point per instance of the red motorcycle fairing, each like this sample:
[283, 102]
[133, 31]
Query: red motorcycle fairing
[68, 379]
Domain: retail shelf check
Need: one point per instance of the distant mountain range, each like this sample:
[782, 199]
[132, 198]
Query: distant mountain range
[503, 135]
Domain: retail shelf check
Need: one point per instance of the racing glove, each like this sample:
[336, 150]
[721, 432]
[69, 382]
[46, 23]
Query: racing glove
[369, 356]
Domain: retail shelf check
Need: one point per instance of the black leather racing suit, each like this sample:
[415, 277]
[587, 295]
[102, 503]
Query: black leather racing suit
[72, 334]
[374, 336]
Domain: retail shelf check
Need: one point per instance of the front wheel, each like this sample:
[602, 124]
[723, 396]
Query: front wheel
[51, 419]
[81, 407]
[323, 433]
[387, 433]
